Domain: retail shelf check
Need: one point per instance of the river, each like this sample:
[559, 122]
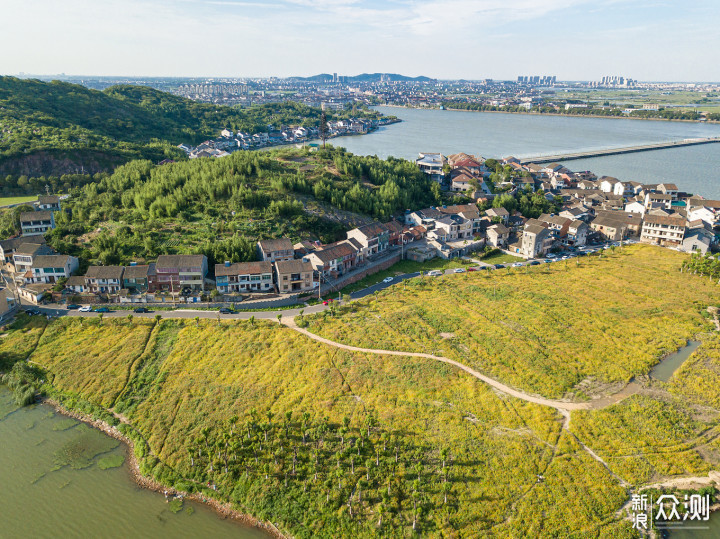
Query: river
[693, 168]
[42, 500]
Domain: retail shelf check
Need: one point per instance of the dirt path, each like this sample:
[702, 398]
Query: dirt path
[561, 406]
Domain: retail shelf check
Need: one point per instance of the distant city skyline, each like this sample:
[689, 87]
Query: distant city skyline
[443, 39]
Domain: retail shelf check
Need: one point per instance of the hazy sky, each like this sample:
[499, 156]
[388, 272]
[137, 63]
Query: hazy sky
[572, 39]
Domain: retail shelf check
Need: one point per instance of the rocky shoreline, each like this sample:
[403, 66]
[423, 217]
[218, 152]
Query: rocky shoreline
[224, 510]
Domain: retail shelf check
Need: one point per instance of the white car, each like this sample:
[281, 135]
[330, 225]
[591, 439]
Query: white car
[388, 280]
[459, 270]
[551, 255]
[435, 273]
[84, 309]
[517, 265]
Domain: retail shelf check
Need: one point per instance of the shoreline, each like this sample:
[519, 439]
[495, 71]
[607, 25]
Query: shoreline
[714, 122]
[223, 510]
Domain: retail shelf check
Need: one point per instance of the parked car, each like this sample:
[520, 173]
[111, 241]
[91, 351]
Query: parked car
[141, 310]
[435, 273]
[72, 307]
[387, 280]
[499, 266]
[476, 268]
[226, 310]
[85, 309]
[534, 263]
[102, 310]
[459, 270]
[551, 255]
[32, 312]
[517, 265]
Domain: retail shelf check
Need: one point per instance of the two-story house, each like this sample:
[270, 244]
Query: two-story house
[26, 253]
[334, 260]
[139, 278]
[373, 238]
[244, 277]
[294, 276]
[277, 249]
[9, 246]
[664, 230]
[181, 273]
[48, 202]
[51, 268]
[104, 279]
[34, 223]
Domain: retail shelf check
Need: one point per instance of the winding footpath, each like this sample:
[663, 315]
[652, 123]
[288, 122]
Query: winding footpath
[561, 406]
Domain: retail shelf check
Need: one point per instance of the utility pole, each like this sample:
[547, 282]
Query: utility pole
[323, 126]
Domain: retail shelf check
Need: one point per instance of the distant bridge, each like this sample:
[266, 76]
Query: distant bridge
[617, 151]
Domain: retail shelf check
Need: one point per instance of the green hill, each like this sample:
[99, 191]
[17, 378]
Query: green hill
[55, 128]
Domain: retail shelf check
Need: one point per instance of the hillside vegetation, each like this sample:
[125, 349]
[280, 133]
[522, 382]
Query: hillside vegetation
[222, 207]
[55, 128]
[325, 442]
[544, 328]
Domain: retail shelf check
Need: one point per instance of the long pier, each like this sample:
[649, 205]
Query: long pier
[617, 151]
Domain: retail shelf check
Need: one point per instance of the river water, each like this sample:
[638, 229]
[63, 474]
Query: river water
[694, 169]
[37, 500]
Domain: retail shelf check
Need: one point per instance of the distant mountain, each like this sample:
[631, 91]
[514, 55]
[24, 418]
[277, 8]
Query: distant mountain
[365, 77]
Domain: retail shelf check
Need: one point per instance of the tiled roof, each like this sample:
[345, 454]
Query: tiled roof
[278, 244]
[104, 272]
[243, 268]
[176, 261]
[293, 266]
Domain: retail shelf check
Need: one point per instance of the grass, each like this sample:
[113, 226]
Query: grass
[9, 201]
[207, 402]
[542, 328]
[502, 258]
[190, 379]
[405, 266]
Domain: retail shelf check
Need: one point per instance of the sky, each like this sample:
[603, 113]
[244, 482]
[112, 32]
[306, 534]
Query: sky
[445, 39]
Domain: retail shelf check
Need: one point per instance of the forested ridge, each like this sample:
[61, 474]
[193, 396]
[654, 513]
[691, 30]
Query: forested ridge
[221, 207]
[67, 121]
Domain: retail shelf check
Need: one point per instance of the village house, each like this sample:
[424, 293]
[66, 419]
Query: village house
[139, 278]
[536, 240]
[706, 210]
[104, 279]
[76, 284]
[334, 260]
[636, 207]
[610, 228]
[181, 273]
[698, 238]
[36, 222]
[24, 255]
[500, 214]
[48, 202]
[373, 238]
[8, 247]
[607, 184]
[577, 233]
[432, 164]
[461, 182]
[664, 230]
[277, 249]
[294, 276]
[669, 189]
[452, 227]
[51, 268]
[244, 277]
[8, 305]
[466, 211]
[658, 200]
[497, 235]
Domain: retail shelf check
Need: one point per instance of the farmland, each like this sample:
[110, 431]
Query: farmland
[328, 442]
[325, 441]
[554, 329]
